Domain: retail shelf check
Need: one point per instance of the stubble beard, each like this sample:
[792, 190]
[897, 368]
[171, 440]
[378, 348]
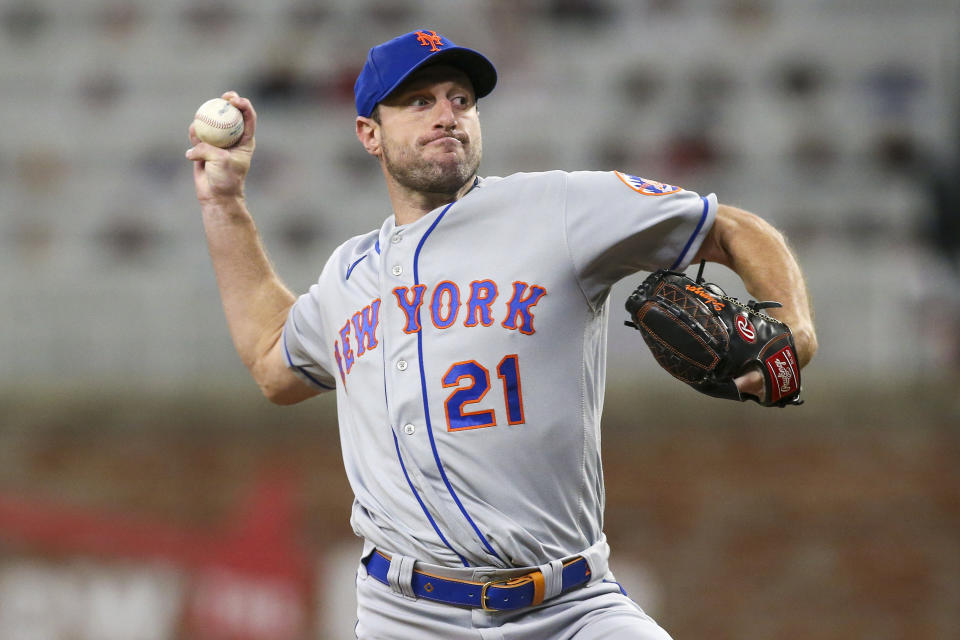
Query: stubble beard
[442, 177]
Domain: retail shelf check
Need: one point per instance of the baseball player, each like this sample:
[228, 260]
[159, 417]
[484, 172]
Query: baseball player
[465, 340]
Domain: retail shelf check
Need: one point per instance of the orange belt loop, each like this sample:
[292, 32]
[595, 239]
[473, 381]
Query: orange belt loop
[539, 587]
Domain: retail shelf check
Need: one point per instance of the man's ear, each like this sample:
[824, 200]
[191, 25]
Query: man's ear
[368, 132]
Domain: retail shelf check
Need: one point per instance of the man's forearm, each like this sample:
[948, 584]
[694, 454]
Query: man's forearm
[759, 254]
[255, 301]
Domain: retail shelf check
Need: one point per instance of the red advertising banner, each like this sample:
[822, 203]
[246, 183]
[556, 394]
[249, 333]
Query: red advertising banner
[68, 572]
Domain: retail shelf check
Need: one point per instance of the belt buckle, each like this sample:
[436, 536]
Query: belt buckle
[483, 592]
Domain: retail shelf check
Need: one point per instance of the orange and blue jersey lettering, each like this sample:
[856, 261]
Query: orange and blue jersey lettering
[448, 290]
[365, 326]
[521, 306]
[482, 295]
[348, 358]
[411, 308]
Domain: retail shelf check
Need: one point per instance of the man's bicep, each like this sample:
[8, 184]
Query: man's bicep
[711, 250]
[714, 245]
[281, 383]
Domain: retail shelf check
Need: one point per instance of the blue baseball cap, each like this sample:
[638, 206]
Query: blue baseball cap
[392, 62]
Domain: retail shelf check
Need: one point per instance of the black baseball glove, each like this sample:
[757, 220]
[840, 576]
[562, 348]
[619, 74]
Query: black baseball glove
[706, 338]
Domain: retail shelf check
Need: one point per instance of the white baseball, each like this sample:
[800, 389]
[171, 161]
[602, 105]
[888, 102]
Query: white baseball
[218, 122]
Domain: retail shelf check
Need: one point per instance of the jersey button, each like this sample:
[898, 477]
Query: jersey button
[402, 365]
[397, 237]
[409, 429]
[397, 270]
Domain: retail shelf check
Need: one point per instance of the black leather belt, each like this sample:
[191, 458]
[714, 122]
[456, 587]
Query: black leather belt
[496, 595]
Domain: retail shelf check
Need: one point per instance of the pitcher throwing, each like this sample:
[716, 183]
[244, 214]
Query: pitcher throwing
[466, 342]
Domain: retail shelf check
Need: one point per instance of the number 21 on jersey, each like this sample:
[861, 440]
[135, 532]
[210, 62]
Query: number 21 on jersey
[477, 378]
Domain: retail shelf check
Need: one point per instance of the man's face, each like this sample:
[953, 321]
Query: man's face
[430, 131]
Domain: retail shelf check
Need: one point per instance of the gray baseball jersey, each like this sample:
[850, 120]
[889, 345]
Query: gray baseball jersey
[468, 353]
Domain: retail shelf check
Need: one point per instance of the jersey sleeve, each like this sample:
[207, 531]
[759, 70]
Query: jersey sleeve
[617, 224]
[304, 348]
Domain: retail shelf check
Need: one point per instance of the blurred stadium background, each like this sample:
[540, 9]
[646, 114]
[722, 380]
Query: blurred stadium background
[148, 493]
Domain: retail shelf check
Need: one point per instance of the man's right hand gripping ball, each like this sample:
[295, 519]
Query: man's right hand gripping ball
[707, 339]
[220, 174]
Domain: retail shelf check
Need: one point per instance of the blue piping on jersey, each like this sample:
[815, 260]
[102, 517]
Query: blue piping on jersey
[423, 506]
[403, 467]
[351, 267]
[377, 246]
[696, 232]
[302, 370]
[423, 384]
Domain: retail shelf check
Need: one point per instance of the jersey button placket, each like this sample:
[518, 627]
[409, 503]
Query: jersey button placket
[403, 389]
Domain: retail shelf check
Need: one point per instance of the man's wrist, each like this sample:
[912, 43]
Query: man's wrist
[225, 208]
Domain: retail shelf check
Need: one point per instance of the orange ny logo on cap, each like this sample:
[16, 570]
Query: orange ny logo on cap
[430, 39]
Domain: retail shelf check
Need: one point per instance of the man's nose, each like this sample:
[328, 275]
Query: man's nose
[446, 118]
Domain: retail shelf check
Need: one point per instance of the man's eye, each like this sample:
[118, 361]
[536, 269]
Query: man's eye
[418, 102]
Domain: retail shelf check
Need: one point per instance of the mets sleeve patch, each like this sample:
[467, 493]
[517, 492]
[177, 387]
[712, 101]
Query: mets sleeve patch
[647, 187]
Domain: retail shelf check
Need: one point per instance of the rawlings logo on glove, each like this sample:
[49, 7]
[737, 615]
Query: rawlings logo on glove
[706, 338]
